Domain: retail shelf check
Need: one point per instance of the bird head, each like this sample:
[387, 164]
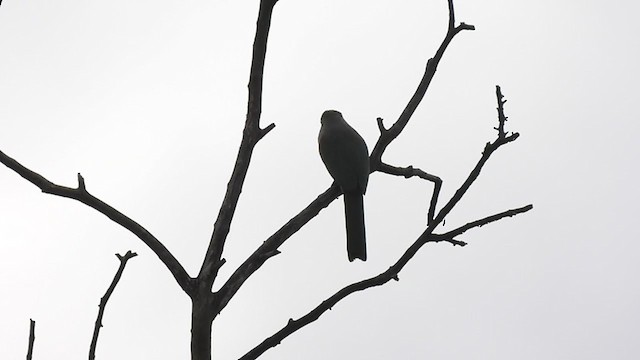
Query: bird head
[331, 116]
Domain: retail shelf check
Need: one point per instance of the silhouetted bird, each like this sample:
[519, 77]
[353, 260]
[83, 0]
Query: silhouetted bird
[346, 156]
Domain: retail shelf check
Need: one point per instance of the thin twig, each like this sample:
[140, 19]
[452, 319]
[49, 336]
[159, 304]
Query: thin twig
[409, 172]
[105, 298]
[502, 118]
[481, 222]
[32, 338]
[81, 194]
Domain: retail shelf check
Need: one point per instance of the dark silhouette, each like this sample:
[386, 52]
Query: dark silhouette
[207, 304]
[32, 338]
[346, 157]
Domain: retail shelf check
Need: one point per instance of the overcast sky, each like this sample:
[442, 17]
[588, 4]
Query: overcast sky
[147, 100]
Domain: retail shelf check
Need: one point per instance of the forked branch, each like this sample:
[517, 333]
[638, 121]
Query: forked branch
[409, 172]
[381, 279]
[390, 134]
[251, 135]
[427, 236]
[259, 256]
[489, 148]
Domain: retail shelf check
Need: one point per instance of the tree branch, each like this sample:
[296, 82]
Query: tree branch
[81, 194]
[388, 135]
[381, 279]
[409, 172]
[502, 118]
[105, 298]
[489, 148]
[251, 135]
[32, 338]
[257, 259]
[484, 221]
[425, 237]
[269, 248]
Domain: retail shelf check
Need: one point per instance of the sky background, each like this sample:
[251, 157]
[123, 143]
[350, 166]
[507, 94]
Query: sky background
[147, 100]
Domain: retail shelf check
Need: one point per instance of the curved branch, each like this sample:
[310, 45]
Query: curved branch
[81, 194]
[251, 135]
[409, 172]
[381, 279]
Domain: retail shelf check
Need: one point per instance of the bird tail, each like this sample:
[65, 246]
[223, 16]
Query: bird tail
[354, 217]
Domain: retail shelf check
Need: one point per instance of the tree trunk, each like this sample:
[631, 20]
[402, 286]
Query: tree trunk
[201, 319]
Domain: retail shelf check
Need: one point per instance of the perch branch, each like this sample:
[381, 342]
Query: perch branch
[257, 259]
[269, 248]
[251, 135]
[81, 194]
[32, 338]
[105, 298]
[381, 279]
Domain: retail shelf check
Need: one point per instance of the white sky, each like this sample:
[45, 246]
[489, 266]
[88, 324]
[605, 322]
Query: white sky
[147, 100]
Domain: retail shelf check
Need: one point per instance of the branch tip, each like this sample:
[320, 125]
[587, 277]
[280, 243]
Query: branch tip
[464, 26]
[502, 118]
[104, 299]
[269, 254]
[381, 125]
[126, 256]
[32, 337]
[81, 185]
[220, 263]
[266, 130]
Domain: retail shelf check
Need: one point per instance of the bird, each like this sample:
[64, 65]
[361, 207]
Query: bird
[344, 152]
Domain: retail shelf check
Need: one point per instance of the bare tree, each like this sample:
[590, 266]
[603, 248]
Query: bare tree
[206, 304]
